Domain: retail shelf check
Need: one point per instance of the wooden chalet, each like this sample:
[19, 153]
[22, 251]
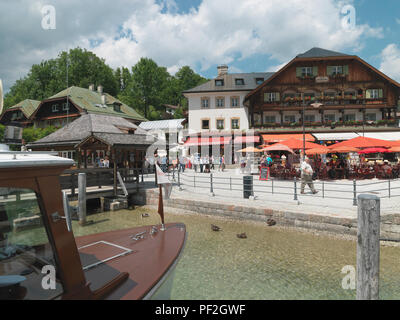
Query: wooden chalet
[69, 104]
[20, 113]
[335, 89]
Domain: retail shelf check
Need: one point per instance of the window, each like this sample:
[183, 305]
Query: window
[54, 108]
[270, 119]
[374, 93]
[259, 80]
[337, 70]
[290, 118]
[220, 102]
[306, 71]
[235, 124]
[65, 107]
[205, 124]
[370, 117]
[329, 117]
[239, 82]
[309, 118]
[219, 83]
[271, 96]
[24, 245]
[117, 107]
[234, 101]
[220, 124]
[350, 117]
[205, 103]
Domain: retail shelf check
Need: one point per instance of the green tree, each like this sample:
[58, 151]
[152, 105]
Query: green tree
[31, 134]
[146, 86]
[50, 76]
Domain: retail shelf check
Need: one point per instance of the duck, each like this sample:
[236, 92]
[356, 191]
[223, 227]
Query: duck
[242, 235]
[215, 228]
[271, 222]
[145, 215]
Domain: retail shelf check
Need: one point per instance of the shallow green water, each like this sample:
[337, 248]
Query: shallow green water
[272, 263]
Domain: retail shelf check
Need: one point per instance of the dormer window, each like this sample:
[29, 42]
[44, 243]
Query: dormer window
[259, 81]
[117, 107]
[239, 82]
[219, 83]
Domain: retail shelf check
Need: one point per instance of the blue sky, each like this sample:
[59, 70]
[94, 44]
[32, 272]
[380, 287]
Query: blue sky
[248, 35]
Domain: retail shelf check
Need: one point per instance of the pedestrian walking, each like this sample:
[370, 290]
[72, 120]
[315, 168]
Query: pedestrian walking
[306, 176]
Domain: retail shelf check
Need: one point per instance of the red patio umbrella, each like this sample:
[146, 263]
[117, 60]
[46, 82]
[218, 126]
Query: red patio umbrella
[373, 150]
[363, 142]
[298, 144]
[314, 151]
[395, 149]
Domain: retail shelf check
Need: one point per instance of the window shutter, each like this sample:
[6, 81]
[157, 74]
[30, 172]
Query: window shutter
[315, 71]
[266, 97]
[329, 70]
[277, 96]
[298, 72]
[368, 94]
[346, 70]
[380, 93]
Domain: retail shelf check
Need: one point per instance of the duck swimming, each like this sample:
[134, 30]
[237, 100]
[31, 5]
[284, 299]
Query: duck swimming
[271, 222]
[242, 235]
[215, 228]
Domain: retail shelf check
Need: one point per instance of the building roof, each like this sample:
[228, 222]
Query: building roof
[230, 83]
[27, 159]
[90, 101]
[89, 124]
[320, 53]
[27, 106]
[162, 124]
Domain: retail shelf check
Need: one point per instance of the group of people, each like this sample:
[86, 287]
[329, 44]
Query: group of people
[196, 162]
[102, 162]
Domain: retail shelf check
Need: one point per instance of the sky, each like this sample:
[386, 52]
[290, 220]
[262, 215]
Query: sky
[247, 35]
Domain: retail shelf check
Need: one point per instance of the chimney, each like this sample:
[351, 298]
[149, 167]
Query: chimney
[103, 99]
[222, 69]
[100, 89]
[91, 87]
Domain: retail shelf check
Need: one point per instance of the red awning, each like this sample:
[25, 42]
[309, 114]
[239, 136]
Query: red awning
[246, 139]
[207, 141]
[272, 138]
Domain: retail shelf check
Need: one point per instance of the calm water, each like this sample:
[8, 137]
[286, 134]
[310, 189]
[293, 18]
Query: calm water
[272, 263]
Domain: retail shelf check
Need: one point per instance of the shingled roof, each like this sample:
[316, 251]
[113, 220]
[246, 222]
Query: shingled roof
[27, 107]
[96, 124]
[320, 53]
[249, 80]
[90, 101]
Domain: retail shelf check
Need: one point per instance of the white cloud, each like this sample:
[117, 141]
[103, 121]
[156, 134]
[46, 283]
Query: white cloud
[398, 20]
[390, 61]
[217, 32]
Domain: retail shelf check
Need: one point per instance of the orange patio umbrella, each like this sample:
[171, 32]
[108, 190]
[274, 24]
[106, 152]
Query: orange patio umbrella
[344, 149]
[278, 147]
[298, 144]
[314, 151]
[363, 142]
[394, 149]
[250, 150]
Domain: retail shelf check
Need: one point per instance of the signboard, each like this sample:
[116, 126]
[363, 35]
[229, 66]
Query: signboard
[264, 173]
[321, 79]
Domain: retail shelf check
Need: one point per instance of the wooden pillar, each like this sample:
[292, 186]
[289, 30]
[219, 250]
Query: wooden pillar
[281, 115]
[82, 198]
[368, 247]
[85, 158]
[114, 171]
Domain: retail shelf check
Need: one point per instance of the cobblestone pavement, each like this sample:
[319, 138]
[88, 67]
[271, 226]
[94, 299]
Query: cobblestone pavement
[334, 198]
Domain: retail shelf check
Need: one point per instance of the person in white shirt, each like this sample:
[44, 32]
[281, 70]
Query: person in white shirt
[306, 176]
